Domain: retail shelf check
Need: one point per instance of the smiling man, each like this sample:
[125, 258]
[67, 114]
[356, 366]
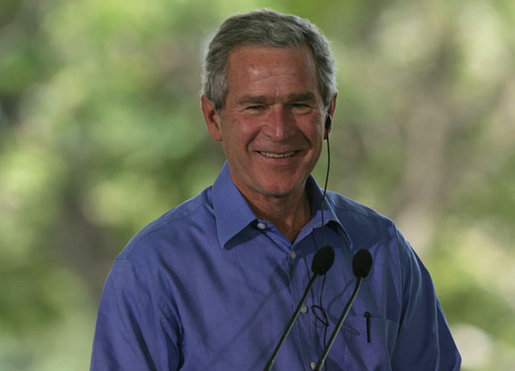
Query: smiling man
[211, 284]
[272, 129]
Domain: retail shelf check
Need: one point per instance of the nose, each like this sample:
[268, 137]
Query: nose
[280, 123]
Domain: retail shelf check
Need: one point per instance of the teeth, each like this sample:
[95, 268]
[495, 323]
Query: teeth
[277, 155]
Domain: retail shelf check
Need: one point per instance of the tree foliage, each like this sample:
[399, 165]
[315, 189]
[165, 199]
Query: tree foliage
[101, 132]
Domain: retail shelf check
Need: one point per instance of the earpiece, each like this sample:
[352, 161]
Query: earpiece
[328, 122]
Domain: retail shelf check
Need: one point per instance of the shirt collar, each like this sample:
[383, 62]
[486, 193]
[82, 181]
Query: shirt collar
[233, 213]
[330, 218]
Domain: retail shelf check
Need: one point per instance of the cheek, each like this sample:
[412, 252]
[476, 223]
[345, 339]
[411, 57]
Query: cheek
[240, 132]
[313, 130]
[311, 124]
[235, 138]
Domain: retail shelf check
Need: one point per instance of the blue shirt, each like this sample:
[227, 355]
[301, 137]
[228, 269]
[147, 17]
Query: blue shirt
[208, 286]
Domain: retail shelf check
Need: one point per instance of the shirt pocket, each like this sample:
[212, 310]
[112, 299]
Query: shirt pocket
[365, 342]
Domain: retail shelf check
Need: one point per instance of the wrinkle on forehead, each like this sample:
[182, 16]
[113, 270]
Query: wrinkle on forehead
[256, 65]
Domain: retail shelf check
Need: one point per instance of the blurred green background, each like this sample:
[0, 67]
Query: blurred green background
[101, 132]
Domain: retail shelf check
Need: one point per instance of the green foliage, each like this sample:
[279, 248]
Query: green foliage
[101, 132]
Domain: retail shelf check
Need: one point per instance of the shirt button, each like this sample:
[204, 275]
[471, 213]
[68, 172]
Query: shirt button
[261, 225]
[313, 365]
[293, 255]
[304, 309]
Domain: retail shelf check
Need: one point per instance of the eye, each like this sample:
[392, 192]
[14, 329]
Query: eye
[255, 107]
[300, 107]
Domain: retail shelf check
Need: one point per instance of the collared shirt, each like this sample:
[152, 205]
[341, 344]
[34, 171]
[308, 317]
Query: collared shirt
[209, 286]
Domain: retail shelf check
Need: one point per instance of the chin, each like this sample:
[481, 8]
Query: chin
[282, 190]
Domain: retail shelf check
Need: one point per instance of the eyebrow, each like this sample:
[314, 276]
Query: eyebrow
[252, 99]
[308, 96]
[295, 97]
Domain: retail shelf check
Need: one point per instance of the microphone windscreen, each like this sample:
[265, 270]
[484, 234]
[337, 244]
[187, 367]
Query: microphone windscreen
[323, 260]
[361, 263]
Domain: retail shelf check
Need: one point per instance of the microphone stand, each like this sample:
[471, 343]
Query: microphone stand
[338, 325]
[289, 326]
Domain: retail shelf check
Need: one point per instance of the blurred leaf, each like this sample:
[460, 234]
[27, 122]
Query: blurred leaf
[100, 132]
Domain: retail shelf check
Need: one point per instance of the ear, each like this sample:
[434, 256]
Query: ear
[212, 118]
[330, 115]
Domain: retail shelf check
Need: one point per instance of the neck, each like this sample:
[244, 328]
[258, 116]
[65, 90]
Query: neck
[289, 214]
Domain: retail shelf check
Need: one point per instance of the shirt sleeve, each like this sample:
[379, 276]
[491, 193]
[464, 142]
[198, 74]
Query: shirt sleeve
[424, 340]
[133, 330]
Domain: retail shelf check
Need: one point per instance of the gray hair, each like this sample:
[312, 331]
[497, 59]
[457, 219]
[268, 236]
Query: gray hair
[265, 28]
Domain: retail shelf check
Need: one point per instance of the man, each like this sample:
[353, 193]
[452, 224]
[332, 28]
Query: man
[211, 284]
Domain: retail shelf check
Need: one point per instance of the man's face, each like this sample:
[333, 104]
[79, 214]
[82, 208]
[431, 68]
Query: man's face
[272, 124]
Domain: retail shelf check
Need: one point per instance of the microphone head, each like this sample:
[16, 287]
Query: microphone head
[323, 260]
[361, 263]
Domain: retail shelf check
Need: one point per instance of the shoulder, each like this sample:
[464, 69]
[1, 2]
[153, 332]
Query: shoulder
[367, 228]
[191, 216]
[355, 214]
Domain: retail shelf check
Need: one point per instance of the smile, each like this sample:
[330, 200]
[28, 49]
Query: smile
[277, 155]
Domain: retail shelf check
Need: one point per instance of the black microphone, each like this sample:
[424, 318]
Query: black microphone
[361, 264]
[322, 261]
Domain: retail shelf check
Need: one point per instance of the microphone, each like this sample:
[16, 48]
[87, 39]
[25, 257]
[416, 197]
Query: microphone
[322, 261]
[361, 264]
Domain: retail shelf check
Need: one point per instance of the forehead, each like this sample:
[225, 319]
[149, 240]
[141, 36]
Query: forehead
[252, 65]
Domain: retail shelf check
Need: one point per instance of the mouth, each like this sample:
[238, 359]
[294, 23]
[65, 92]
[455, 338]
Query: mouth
[277, 155]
